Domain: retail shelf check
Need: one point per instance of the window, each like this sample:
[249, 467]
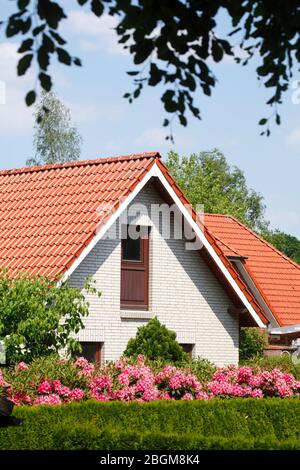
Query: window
[91, 351]
[131, 249]
[135, 270]
[188, 348]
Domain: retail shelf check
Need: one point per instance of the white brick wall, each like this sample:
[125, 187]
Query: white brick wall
[184, 295]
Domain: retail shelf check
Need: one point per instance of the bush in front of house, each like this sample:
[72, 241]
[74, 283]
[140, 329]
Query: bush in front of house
[284, 363]
[38, 316]
[252, 343]
[55, 381]
[156, 342]
[177, 425]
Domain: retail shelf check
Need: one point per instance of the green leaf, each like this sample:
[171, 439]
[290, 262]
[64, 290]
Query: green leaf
[217, 51]
[43, 57]
[26, 25]
[26, 45]
[22, 4]
[45, 81]
[38, 29]
[24, 64]
[262, 122]
[183, 120]
[97, 7]
[30, 97]
[155, 75]
[77, 61]
[133, 73]
[57, 37]
[63, 56]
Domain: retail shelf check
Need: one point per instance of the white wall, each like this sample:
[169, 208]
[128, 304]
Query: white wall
[184, 295]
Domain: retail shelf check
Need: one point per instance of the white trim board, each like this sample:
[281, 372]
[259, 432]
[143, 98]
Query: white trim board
[256, 293]
[156, 172]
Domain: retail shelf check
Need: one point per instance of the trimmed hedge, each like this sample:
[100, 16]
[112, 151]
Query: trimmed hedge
[218, 424]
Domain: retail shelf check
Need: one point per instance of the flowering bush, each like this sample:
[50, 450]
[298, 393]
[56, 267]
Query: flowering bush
[64, 381]
[244, 382]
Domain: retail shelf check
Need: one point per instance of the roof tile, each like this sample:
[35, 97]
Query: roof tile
[47, 213]
[275, 275]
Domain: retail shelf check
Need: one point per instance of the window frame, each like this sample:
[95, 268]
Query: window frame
[99, 347]
[137, 265]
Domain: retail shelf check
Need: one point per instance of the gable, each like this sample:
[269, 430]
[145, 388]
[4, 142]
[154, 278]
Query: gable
[52, 216]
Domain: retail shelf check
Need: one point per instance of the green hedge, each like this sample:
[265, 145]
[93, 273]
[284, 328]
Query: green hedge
[217, 424]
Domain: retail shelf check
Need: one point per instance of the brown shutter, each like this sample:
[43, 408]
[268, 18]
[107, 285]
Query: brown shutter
[135, 279]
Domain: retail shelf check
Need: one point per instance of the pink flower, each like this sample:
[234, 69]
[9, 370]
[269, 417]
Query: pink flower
[52, 399]
[81, 362]
[44, 387]
[187, 396]
[56, 384]
[76, 394]
[257, 393]
[21, 366]
[21, 399]
[63, 391]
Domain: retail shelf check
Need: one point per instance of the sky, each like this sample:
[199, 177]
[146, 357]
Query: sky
[110, 126]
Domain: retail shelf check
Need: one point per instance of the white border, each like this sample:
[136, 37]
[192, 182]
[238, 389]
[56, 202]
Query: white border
[156, 172]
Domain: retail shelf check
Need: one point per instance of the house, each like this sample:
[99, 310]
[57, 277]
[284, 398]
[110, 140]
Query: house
[125, 222]
[273, 279]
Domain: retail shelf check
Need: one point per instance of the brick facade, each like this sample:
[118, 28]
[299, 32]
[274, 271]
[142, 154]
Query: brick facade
[184, 295]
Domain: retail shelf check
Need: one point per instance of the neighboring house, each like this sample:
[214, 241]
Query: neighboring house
[273, 278]
[66, 220]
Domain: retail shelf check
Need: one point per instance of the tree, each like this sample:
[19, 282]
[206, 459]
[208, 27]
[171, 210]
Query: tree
[56, 139]
[252, 344]
[206, 178]
[285, 243]
[39, 317]
[171, 41]
[155, 342]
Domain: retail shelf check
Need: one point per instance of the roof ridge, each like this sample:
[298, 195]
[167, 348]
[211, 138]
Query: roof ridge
[261, 239]
[77, 163]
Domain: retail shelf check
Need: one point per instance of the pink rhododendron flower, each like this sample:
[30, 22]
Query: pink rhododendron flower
[51, 399]
[21, 366]
[56, 384]
[81, 362]
[76, 394]
[187, 396]
[44, 387]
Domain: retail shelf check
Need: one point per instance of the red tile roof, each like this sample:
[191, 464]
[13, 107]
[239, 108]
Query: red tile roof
[275, 275]
[48, 214]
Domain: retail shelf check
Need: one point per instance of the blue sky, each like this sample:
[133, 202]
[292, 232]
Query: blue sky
[110, 126]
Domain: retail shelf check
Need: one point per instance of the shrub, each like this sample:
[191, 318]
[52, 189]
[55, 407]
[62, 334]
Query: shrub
[155, 341]
[202, 368]
[252, 343]
[284, 363]
[54, 381]
[38, 316]
[176, 425]
[48, 380]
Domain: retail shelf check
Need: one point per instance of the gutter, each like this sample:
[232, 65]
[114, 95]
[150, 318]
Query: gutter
[284, 330]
